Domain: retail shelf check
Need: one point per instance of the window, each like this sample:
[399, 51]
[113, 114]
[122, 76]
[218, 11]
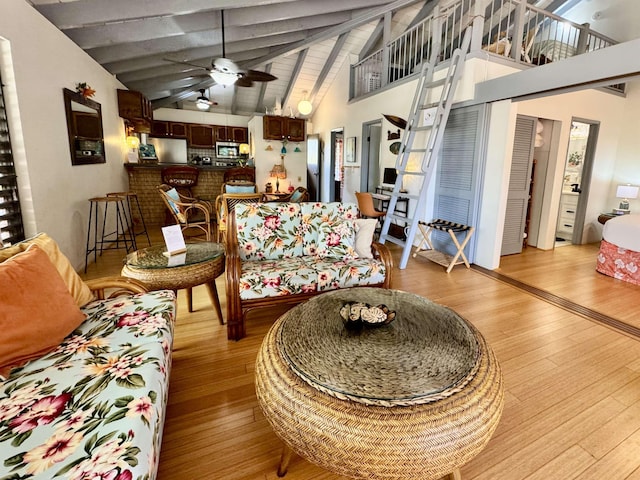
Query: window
[11, 229]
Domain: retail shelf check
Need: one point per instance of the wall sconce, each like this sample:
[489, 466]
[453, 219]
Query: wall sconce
[304, 106]
[133, 142]
[625, 192]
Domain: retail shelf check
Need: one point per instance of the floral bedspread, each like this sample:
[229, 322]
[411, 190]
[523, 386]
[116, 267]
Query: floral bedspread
[93, 408]
[619, 262]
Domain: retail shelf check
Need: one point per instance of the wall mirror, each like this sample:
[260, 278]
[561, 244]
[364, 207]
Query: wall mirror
[84, 127]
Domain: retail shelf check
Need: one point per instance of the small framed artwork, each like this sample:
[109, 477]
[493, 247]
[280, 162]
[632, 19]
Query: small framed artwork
[350, 152]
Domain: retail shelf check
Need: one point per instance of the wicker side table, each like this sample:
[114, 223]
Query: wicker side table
[202, 264]
[417, 398]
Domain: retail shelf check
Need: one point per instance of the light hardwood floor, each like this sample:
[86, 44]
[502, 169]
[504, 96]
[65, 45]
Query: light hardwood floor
[572, 406]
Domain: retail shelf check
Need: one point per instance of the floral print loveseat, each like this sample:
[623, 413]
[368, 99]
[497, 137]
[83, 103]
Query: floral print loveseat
[288, 252]
[94, 407]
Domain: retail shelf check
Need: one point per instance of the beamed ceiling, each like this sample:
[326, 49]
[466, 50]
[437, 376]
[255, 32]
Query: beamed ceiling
[163, 47]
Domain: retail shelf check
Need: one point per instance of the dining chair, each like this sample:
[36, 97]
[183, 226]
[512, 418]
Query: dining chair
[368, 209]
[191, 215]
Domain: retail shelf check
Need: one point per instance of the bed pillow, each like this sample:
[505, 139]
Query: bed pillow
[37, 312]
[76, 286]
[365, 228]
[337, 240]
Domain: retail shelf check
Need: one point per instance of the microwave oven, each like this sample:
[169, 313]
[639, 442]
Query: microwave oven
[227, 150]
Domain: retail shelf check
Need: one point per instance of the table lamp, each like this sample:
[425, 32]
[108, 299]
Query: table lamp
[625, 192]
[278, 171]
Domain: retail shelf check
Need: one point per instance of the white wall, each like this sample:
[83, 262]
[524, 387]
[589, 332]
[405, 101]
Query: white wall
[37, 62]
[198, 116]
[595, 105]
[616, 152]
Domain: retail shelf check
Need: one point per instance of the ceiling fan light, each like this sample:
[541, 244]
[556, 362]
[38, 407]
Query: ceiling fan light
[224, 72]
[305, 107]
[202, 106]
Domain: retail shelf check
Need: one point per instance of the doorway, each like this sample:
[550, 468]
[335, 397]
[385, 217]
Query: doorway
[337, 165]
[575, 181]
[370, 167]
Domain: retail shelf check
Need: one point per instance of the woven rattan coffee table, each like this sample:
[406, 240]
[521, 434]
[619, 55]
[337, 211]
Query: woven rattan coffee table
[415, 399]
[202, 264]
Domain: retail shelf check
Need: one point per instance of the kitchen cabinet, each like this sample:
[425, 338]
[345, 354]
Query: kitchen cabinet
[278, 128]
[202, 136]
[134, 105]
[162, 128]
[231, 134]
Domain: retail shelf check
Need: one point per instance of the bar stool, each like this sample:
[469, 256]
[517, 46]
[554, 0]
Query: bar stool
[111, 237]
[128, 196]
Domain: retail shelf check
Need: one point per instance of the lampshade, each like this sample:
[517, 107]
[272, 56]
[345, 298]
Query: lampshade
[224, 71]
[134, 142]
[244, 149]
[305, 107]
[627, 191]
[278, 171]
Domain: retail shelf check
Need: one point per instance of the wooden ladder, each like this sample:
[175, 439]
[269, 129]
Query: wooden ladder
[433, 127]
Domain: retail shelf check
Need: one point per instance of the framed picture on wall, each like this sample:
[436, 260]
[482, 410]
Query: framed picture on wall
[350, 152]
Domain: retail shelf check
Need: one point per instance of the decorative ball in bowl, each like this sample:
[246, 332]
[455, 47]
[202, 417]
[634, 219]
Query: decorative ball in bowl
[356, 314]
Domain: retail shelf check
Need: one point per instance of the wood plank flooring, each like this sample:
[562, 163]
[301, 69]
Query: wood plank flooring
[572, 407]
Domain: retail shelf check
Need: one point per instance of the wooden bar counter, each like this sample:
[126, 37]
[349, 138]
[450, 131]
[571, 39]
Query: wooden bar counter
[144, 178]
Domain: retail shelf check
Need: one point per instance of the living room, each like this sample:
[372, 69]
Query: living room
[212, 380]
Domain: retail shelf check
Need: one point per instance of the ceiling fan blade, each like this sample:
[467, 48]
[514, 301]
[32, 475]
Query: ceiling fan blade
[258, 76]
[244, 81]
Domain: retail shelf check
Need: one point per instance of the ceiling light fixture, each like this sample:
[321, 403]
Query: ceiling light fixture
[202, 106]
[304, 106]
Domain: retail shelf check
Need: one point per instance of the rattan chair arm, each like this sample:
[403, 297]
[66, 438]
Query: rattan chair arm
[233, 269]
[117, 286]
[197, 206]
[382, 252]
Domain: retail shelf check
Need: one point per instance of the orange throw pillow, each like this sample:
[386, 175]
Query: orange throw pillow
[76, 286]
[36, 309]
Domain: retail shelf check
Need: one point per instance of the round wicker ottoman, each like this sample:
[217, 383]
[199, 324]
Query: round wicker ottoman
[415, 399]
[202, 264]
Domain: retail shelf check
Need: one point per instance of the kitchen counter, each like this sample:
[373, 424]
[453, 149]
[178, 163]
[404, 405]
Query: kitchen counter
[144, 179]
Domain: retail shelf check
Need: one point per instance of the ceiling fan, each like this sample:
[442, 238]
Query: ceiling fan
[225, 72]
[203, 102]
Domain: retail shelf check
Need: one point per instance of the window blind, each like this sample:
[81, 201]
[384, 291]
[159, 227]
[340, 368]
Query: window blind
[11, 227]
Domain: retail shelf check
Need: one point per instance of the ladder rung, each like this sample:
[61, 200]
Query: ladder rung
[421, 129]
[419, 173]
[436, 83]
[400, 218]
[417, 150]
[397, 241]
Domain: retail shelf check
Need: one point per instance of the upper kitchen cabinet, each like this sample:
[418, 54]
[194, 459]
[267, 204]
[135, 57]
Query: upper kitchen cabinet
[163, 128]
[278, 128]
[201, 135]
[136, 108]
[231, 134]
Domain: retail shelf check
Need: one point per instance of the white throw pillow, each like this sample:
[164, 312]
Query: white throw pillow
[365, 227]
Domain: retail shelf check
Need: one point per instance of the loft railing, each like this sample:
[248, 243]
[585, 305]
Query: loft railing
[511, 29]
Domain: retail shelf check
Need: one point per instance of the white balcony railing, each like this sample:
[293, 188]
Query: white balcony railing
[511, 29]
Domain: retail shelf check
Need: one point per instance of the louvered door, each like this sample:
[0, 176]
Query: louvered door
[519, 182]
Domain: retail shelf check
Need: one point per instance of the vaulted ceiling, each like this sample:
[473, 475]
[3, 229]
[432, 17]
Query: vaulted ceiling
[163, 48]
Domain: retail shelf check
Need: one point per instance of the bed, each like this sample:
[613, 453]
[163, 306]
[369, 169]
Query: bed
[619, 254]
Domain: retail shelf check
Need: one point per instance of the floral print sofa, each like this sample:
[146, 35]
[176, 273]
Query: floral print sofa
[94, 407]
[288, 252]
